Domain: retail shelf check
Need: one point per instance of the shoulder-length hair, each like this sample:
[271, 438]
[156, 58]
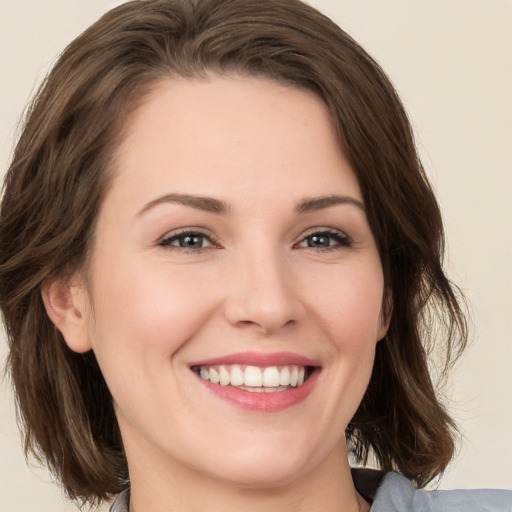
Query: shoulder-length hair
[60, 172]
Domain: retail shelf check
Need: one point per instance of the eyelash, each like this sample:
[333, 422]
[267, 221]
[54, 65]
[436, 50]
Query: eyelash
[184, 233]
[341, 240]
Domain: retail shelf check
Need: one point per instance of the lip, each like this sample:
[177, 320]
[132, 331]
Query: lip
[261, 402]
[258, 359]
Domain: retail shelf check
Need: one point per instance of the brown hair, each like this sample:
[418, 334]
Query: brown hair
[60, 172]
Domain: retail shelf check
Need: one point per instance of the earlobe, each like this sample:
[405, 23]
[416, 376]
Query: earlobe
[65, 305]
[385, 315]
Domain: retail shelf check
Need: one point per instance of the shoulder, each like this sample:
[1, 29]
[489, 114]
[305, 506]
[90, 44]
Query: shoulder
[120, 504]
[394, 493]
[397, 494]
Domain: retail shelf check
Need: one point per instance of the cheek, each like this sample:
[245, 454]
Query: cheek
[149, 312]
[350, 308]
[350, 305]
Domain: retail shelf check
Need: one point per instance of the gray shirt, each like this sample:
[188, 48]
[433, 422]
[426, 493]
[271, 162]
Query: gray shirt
[397, 494]
[394, 493]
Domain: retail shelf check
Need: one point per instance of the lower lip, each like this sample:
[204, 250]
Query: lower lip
[263, 402]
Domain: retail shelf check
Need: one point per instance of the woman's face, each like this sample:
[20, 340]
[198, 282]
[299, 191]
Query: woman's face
[233, 244]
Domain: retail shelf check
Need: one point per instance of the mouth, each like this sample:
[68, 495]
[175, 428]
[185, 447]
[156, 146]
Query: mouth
[259, 382]
[255, 379]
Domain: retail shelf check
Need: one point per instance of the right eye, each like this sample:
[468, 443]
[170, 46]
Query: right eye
[192, 241]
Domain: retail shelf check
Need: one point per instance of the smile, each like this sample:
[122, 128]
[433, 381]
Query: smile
[254, 378]
[258, 382]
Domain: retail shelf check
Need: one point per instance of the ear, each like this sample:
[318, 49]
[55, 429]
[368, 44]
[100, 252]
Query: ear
[385, 314]
[66, 304]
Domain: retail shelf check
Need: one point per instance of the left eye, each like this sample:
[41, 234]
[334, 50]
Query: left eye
[325, 240]
[189, 240]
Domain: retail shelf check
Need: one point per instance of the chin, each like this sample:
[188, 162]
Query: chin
[263, 477]
[264, 471]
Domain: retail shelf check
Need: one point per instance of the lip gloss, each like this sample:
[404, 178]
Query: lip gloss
[263, 401]
[259, 359]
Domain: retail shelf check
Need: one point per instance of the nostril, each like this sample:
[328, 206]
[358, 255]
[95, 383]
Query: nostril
[265, 317]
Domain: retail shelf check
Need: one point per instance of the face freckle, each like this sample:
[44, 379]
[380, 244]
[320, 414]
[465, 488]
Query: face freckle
[233, 236]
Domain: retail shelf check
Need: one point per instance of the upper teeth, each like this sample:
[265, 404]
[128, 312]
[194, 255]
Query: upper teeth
[254, 376]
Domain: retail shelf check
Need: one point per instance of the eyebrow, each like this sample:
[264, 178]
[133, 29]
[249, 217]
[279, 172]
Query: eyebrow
[207, 204]
[211, 205]
[320, 203]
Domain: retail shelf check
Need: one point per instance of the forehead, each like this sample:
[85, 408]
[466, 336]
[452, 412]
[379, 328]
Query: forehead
[213, 135]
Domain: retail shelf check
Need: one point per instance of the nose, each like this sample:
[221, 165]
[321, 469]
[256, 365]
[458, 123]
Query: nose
[263, 294]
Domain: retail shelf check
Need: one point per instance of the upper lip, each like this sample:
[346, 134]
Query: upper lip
[258, 359]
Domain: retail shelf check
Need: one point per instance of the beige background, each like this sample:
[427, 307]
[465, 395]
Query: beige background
[451, 61]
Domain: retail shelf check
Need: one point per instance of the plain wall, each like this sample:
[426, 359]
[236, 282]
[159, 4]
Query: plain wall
[451, 61]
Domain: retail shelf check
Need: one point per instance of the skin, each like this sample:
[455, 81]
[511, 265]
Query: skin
[149, 310]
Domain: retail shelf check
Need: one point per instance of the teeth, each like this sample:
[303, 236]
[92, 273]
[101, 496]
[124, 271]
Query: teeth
[237, 376]
[214, 376]
[253, 378]
[284, 376]
[294, 377]
[302, 372]
[271, 377]
[224, 376]
[264, 390]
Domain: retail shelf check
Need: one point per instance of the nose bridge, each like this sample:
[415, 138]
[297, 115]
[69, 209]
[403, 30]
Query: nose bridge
[262, 291]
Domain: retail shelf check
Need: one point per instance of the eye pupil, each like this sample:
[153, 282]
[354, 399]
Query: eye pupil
[191, 241]
[319, 241]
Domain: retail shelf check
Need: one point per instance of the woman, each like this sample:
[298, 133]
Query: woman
[219, 257]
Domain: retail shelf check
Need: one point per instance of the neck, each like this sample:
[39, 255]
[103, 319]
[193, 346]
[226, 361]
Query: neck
[326, 488]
